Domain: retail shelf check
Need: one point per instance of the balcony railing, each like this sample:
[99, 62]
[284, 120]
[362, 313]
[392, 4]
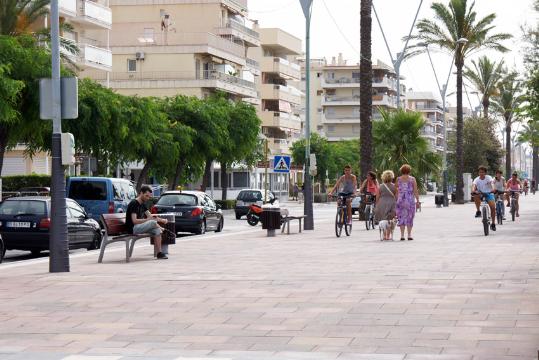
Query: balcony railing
[233, 24]
[68, 6]
[343, 80]
[341, 98]
[252, 63]
[97, 12]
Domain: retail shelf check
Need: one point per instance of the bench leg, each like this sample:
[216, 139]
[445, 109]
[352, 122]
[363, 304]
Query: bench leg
[127, 250]
[131, 247]
[282, 227]
[104, 244]
[300, 224]
[288, 228]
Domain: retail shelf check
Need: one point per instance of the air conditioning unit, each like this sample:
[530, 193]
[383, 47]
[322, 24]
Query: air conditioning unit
[139, 55]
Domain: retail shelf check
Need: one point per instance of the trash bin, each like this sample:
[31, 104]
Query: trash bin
[439, 200]
[271, 219]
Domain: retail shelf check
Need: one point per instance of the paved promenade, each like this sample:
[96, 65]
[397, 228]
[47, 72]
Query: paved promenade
[451, 294]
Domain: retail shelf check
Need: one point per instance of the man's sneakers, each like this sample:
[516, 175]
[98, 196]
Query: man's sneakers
[478, 214]
[161, 256]
[493, 227]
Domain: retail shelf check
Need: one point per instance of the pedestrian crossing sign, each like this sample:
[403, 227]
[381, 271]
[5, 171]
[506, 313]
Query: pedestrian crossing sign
[281, 164]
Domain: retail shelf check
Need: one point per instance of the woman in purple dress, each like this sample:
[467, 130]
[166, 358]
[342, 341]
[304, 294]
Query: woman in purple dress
[407, 200]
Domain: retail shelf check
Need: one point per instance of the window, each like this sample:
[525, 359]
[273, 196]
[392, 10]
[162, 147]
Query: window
[331, 75]
[177, 199]
[117, 191]
[131, 65]
[76, 210]
[330, 111]
[16, 207]
[88, 190]
[355, 75]
[250, 195]
[331, 128]
[355, 129]
[318, 74]
[240, 179]
[355, 111]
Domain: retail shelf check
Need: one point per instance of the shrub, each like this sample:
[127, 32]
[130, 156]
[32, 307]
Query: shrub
[16, 182]
[226, 204]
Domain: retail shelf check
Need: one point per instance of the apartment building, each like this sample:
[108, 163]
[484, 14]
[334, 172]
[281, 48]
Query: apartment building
[280, 99]
[431, 108]
[335, 100]
[188, 47]
[91, 22]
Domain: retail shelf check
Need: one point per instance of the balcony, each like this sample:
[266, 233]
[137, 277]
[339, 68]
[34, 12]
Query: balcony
[429, 133]
[343, 82]
[67, 8]
[385, 82]
[93, 13]
[384, 100]
[90, 54]
[340, 100]
[253, 66]
[281, 66]
[125, 41]
[279, 146]
[241, 32]
[181, 79]
[281, 92]
[280, 120]
[340, 119]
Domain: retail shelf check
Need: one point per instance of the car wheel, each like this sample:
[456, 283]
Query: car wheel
[2, 251]
[96, 242]
[202, 228]
[238, 216]
[220, 226]
[35, 252]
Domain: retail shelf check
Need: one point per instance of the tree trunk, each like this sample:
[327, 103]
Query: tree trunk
[177, 175]
[365, 92]
[535, 164]
[224, 181]
[508, 148]
[4, 132]
[207, 173]
[486, 104]
[143, 175]
[459, 196]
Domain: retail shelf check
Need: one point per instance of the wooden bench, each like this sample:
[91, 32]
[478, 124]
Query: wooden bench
[286, 222]
[116, 230]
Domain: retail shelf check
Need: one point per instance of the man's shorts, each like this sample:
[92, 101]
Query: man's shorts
[489, 197]
[148, 227]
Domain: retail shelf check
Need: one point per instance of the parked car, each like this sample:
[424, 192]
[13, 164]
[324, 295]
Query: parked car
[25, 223]
[2, 249]
[194, 211]
[356, 204]
[35, 190]
[248, 197]
[101, 195]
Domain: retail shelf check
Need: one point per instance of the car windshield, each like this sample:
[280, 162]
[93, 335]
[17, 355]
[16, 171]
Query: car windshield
[22, 207]
[177, 199]
[250, 195]
[88, 190]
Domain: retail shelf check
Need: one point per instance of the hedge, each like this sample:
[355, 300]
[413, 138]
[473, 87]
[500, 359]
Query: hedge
[14, 183]
[226, 204]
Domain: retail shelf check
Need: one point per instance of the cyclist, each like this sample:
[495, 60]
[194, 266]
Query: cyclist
[525, 186]
[514, 185]
[348, 182]
[370, 184]
[484, 184]
[499, 184]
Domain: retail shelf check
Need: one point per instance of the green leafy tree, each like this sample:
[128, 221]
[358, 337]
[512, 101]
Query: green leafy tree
[481, 146]
[485, 76]
[22, 63]
[529, 133]
[324, 156]
[507, 103]
[398, 141]
[458, 21]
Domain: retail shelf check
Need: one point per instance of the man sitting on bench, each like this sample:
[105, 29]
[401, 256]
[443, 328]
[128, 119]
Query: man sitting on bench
[138, 220]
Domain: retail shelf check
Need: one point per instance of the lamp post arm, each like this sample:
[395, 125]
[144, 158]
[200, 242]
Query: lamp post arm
[442, 91]
[393, 61]
[403, 53]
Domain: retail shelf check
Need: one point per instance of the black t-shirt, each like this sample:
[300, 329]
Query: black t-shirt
[134, 207]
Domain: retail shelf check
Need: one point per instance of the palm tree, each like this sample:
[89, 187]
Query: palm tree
[458, 30]
[365, 101]
[399, 141]
[530, 134]
[506, 103]
[485, 77]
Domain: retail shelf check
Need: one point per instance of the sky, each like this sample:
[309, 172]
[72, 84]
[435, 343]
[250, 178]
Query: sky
[330, 37]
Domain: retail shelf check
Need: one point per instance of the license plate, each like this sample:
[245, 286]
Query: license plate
[18, 224]
[178, 214]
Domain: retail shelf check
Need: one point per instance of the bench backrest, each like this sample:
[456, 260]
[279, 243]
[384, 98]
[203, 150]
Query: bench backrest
[114, 223]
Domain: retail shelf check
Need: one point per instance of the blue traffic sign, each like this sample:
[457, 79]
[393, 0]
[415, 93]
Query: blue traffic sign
[281, 164]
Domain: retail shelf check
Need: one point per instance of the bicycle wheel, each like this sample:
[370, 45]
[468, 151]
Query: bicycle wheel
[347, 226]
[513, 209]
[485, 220]
[339, 222]
[499, 212]
[368, 217]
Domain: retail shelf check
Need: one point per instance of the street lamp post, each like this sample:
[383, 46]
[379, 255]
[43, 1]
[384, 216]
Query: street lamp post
[307, 5]
[400, 56]
[443, 92]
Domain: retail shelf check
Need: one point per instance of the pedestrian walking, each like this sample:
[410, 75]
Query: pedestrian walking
[406, 204]
[295, 192]
[385, 202]
[301, 194]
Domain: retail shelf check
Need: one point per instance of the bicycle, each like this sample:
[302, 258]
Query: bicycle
[341, 218]
[500, 208]
[369, 211]
[485, 212]
[514, 203]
